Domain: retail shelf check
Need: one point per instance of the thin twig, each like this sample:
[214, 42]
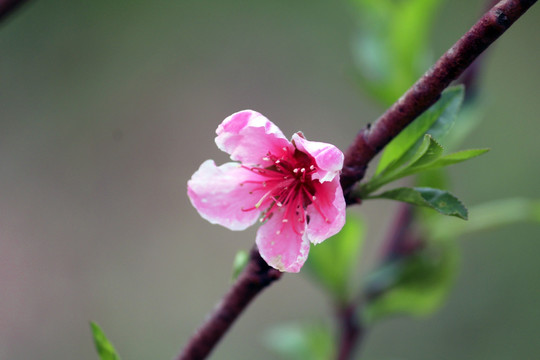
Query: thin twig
[351, 332]
[256, 276]
[8, 6]
[427, 90]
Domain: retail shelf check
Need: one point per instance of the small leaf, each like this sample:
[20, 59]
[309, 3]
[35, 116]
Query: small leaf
[416, 285]
[332, 262]
[240, 261]
[440, 162]
[456, 157]
[439, 116]
[104, 348]
[428, 157]
[301, 341]
[431, 150]
[440, 200]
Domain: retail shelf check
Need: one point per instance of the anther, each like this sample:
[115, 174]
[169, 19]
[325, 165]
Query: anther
[312, 167]
[295, 171]
[302, 170]
[285, 220]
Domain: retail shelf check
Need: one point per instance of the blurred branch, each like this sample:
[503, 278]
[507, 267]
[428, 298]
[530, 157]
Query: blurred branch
[256, 276]
[351, 332]
[401, 241]
[427, 90]
[8, 6]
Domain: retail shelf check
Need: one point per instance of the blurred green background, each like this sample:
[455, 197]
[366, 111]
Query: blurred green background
[108, 107]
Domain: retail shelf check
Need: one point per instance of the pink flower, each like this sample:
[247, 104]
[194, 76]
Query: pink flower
[293, 187]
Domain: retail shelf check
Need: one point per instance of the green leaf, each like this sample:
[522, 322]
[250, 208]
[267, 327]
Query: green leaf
[456, 157]
[240, 261]
[439, 200]
[104, 348]
[390, 49]
[438, 117]
[429, 151]
[416, 285]
[300, 342]
[488, 216]
[436, 163]
[332, 262]
[428, 157]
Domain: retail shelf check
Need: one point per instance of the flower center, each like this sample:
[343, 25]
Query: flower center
[286, 183]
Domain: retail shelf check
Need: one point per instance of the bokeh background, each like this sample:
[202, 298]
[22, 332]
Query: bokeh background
[108, 107]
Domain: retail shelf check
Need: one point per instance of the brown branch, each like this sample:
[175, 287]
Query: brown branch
[8, 6]
[427, 90]
[351, 332]
[256, 276]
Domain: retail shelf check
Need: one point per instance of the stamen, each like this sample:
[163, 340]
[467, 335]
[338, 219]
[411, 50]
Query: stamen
[285, 220]
[312, 167]
[259, 203]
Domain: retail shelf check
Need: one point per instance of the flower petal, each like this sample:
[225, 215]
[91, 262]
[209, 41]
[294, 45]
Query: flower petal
[329, 159]
[327, 213]
[248, 136]
[219, 194]
[280, 246]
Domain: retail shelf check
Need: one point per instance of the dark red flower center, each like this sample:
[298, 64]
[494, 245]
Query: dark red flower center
[286, 183]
